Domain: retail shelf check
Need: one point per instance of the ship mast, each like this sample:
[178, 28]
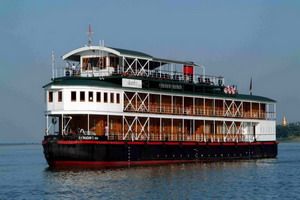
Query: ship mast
[90, 34]
[53, 64]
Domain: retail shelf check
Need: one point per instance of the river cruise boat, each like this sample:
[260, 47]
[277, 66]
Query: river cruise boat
[117, 107]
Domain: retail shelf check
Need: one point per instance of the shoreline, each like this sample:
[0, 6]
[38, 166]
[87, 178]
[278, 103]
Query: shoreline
[289, 139]
[19, 143]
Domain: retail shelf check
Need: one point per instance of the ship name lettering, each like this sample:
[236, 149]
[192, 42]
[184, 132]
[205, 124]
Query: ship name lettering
[170, 86]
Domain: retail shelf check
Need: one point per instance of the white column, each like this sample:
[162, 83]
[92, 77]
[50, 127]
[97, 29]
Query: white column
[107, 61]
[123, 66]
[160, 103]
[242, 109]
[148, 136]
[136, 100]
[159, 69]
[204, 106]
[223, 107]
[182, 105]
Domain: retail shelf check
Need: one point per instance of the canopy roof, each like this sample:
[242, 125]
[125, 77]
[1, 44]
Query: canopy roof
[95, 50]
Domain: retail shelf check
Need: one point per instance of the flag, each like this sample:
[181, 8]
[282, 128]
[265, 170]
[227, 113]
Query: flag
[250, 88]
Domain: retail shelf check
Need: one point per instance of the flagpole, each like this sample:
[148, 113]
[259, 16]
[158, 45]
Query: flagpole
[250, 88]
[53, 64]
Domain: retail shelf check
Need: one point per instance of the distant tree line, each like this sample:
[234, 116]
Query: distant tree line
[288, 131]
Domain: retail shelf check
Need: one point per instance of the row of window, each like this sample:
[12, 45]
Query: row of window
[114, 97]
[50, 96]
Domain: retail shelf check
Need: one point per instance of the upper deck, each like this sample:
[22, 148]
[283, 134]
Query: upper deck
[101, 61]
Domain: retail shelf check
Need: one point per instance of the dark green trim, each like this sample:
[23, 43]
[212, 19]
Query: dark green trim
[115, 82]
[173, 61]
[154, 59]
[131, 52]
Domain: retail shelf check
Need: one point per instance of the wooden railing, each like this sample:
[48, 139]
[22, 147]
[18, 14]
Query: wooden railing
[179, 110]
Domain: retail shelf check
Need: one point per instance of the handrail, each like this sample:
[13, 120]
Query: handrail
[164, 137]
[154, 74]
[178, 110]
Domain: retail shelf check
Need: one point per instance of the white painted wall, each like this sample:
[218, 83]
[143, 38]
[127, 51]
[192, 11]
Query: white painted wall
[86, 106]
[54, 105]
[266, 131]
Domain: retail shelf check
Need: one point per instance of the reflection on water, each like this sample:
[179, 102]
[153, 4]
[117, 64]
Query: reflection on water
[167, 182]
[26, 176]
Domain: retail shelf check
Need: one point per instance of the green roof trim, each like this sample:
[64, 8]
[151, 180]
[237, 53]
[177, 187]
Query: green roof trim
[131, 52]
[95, 81]
[77, 81]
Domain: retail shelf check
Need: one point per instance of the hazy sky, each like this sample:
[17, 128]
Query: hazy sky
[236, 39]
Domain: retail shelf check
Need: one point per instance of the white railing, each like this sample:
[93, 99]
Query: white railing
[155, 74]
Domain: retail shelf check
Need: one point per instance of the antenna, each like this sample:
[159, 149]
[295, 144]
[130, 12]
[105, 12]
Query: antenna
[250, 87]
[53, 64]
[90, 33]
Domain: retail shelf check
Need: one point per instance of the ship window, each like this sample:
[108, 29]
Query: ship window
[50, 96]
[73, 96]
[82, 96]
[118, 98]
[59, 96]
[91, 96]
[112, 95]
[98, 97]
[105, 97]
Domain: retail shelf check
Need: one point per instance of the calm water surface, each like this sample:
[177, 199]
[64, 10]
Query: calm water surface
[24, 175]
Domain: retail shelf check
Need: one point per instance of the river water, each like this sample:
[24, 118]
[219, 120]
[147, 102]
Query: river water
[24, 175]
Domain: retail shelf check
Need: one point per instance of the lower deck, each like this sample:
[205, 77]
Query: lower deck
[137, 128]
